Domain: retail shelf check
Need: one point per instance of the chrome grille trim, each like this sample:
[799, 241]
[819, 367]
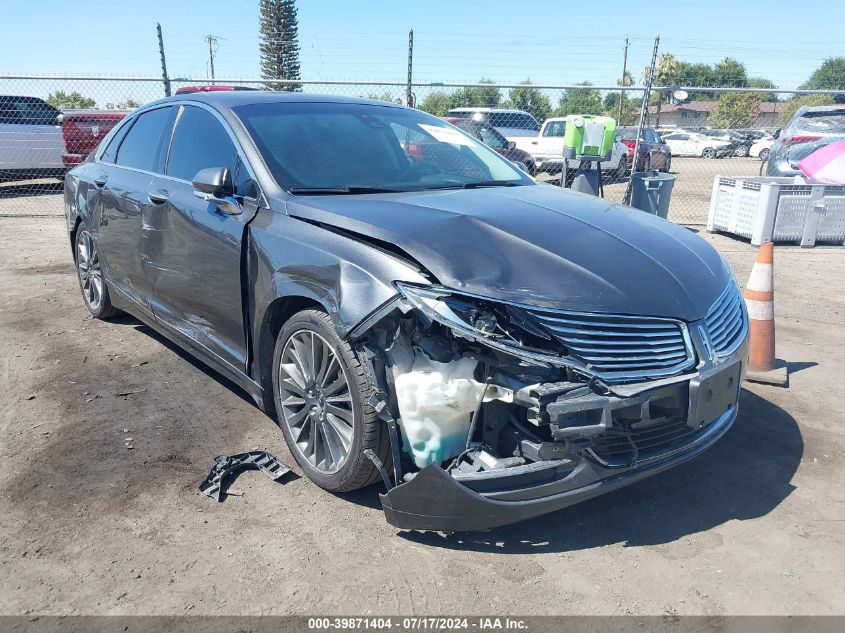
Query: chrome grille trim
[621, 347]
[727, 322]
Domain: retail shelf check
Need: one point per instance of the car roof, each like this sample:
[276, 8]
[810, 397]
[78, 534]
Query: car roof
[487, 109]
[833, 107]
[234, 98]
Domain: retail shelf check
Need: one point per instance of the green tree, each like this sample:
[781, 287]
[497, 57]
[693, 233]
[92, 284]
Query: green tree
[580, 101]
[829, 76]
[790, 106]
[437, 103]
[736, 110]
[530, 99]
[279, 31]
[763, 83]
[665, 74]
[630, 107]
[695, 75]
[384, 96]
[485, 95]
[729, 73]
[61, 99]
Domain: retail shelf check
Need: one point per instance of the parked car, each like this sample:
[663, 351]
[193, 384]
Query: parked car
[40, 141]
[810, 128]
[736, 144]
[760, 148]
[489, 347]
[211, 88]
[511, 124]
[653, 154]
[683, 143]
[547, 150]
[488, 135]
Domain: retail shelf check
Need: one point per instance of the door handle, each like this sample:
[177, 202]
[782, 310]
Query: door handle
[159, 196]
[100, 181]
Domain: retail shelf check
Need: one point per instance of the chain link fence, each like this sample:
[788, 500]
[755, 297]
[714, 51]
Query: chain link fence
[709, 132]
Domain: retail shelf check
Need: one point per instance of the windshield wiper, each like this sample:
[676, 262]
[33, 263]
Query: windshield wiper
[328, 191]
[478, 184]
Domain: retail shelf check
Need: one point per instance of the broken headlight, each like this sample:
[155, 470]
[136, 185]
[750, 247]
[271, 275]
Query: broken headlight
[497, 325]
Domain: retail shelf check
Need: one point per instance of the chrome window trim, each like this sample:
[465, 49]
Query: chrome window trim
[181, 107]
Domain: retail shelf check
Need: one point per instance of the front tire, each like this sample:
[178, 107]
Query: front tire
[709, 153]
[321, 394]
[89, 273]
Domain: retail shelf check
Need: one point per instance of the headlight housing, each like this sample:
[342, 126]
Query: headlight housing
[495, 324]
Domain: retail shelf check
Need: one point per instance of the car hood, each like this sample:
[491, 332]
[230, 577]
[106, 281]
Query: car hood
[538, 245]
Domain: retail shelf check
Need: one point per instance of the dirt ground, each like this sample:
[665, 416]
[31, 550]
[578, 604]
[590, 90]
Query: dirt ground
[89, 526]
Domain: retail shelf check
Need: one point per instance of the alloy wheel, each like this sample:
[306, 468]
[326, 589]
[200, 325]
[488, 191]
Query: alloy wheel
[90, 273]
[316, 400]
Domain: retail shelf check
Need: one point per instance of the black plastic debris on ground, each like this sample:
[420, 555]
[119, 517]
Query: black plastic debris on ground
[226, 465]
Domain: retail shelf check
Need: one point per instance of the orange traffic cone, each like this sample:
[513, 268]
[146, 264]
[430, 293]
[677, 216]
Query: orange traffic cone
[759, 296]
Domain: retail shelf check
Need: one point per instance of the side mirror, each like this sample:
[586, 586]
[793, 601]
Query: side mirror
[776, 135]
[214, 185]
[510, 145]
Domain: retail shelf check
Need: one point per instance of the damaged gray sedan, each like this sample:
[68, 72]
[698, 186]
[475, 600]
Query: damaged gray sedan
[410, 306]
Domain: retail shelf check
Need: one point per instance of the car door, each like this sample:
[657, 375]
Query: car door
[30, 136]
[125, 174]
[193, 248]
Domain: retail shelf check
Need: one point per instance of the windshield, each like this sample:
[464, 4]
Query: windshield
[359, 148]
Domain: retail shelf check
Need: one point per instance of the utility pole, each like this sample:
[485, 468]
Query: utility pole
[212, 49]
[409, 95]
[624, 79]
[164, 76]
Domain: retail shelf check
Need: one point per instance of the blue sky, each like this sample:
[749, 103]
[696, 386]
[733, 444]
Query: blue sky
[454, 41]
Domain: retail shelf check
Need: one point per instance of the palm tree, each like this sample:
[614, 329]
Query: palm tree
[665, 73]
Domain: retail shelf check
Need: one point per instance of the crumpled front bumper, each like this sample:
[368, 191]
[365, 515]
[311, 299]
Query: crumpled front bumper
[435, 500]
[440, 501]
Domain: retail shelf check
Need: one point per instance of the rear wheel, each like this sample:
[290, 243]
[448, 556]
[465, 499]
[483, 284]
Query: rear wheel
[764, 155]
[741, 151]
[321, 394]
[89, 272]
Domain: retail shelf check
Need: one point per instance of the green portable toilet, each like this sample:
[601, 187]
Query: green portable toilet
[589, 136]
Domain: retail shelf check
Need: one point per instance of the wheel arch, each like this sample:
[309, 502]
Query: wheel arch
[275, 316]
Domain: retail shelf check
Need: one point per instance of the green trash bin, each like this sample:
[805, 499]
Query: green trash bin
[651, 192]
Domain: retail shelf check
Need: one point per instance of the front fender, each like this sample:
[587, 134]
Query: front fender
[349, 278]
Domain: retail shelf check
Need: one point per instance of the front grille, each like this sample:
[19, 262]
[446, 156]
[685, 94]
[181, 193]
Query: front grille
[726, 322]
[617, 347]
[625, 448]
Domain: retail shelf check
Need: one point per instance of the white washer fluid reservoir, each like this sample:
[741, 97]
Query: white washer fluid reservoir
[436, 402]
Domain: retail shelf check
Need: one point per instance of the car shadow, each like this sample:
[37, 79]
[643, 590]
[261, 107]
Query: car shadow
[746, 475]
[38, 188]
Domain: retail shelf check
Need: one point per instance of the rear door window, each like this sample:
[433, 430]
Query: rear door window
[141, 147]
[200, 141]
[514, 120]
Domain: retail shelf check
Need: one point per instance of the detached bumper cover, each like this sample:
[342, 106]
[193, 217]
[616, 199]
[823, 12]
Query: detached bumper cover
[435, 500]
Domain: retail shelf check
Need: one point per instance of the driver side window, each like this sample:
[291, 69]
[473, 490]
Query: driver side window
[200, 141]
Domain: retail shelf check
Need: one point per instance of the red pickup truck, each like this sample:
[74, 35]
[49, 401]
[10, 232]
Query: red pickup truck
[82, 131]
[37, 140]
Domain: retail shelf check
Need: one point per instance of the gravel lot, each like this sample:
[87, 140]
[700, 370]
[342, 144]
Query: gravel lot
[87, 526]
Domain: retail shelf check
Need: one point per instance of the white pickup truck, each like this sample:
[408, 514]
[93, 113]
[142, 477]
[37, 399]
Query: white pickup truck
[547, 150]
